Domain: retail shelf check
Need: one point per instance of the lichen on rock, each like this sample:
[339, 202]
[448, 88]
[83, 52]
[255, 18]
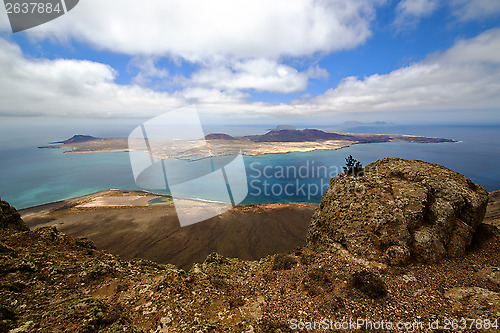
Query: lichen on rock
[401, 209]
[10, 218]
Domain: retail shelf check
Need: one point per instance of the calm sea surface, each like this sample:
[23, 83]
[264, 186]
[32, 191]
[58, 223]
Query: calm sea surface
[31, 176]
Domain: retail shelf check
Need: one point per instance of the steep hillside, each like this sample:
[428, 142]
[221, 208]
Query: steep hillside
[153, 233]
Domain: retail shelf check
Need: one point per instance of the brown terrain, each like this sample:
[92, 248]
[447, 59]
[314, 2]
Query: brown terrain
[51, 282]
[154, 233]
[493, 211]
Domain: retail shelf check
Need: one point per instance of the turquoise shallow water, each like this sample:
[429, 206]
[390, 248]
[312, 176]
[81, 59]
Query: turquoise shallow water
[32, 176]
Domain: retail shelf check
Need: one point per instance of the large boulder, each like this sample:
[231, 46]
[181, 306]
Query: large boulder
[400, 209]
[10, 218]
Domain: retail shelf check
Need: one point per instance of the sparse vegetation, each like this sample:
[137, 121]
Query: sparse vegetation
[353, 167]
[218, 282]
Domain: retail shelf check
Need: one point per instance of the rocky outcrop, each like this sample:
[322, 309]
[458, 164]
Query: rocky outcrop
[10, 218]
[399, 210]
[475, 301]
[53, 282]
[491, 274]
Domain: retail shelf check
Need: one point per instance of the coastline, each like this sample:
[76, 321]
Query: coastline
[279, 148]
[245, 153]
[218, 144]
[153, 232]
[80, 200]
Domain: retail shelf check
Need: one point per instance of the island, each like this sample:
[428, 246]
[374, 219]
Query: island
[277, 141]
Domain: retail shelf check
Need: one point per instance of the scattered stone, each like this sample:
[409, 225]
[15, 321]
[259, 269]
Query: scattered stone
[409, 278]
[283, 262]
[475, 301]
[253, 309]
[491, 274]
[23, 328]
[397, 255]
[85, 243]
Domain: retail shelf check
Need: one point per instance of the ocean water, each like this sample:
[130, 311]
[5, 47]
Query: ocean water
[31, 176]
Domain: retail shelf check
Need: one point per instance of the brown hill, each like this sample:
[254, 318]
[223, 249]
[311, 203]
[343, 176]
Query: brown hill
[289, 135]
[308, 135]
[219, 136]
[53, 282]
[153, 233]
[77, 139]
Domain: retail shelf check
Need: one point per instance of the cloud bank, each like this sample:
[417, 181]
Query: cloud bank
[197, 30]
[467, 76]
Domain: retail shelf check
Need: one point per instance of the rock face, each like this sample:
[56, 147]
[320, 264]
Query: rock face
[399, 210]
[10, 218]
[475, 301]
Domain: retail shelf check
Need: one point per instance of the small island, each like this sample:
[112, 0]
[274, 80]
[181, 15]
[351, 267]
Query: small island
[277, 141]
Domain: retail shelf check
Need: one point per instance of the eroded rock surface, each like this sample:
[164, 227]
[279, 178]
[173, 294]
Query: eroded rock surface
[399, 210]
[476, 301]
[10, 218]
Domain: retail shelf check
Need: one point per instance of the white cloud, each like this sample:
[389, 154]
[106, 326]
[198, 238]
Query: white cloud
[236, 44]
[466, 10]
[70, 87]
[258, 74]
[409, 12]
[253, 74]
[147, 71]
[467, 76]
[198, 29]
[316, 72]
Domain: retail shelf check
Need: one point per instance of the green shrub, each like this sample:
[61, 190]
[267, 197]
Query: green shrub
[353, 167]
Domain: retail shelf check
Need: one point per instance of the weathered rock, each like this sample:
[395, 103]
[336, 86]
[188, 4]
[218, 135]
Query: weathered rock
[491, 274]
[10, 218]
[397, 255]
[400, 209]
[475, 302]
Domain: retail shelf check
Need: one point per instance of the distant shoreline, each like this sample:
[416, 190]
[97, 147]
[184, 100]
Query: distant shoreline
[219, 144]
[73, 202]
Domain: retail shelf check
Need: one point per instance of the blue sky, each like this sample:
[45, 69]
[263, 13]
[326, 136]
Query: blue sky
[410, 61]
